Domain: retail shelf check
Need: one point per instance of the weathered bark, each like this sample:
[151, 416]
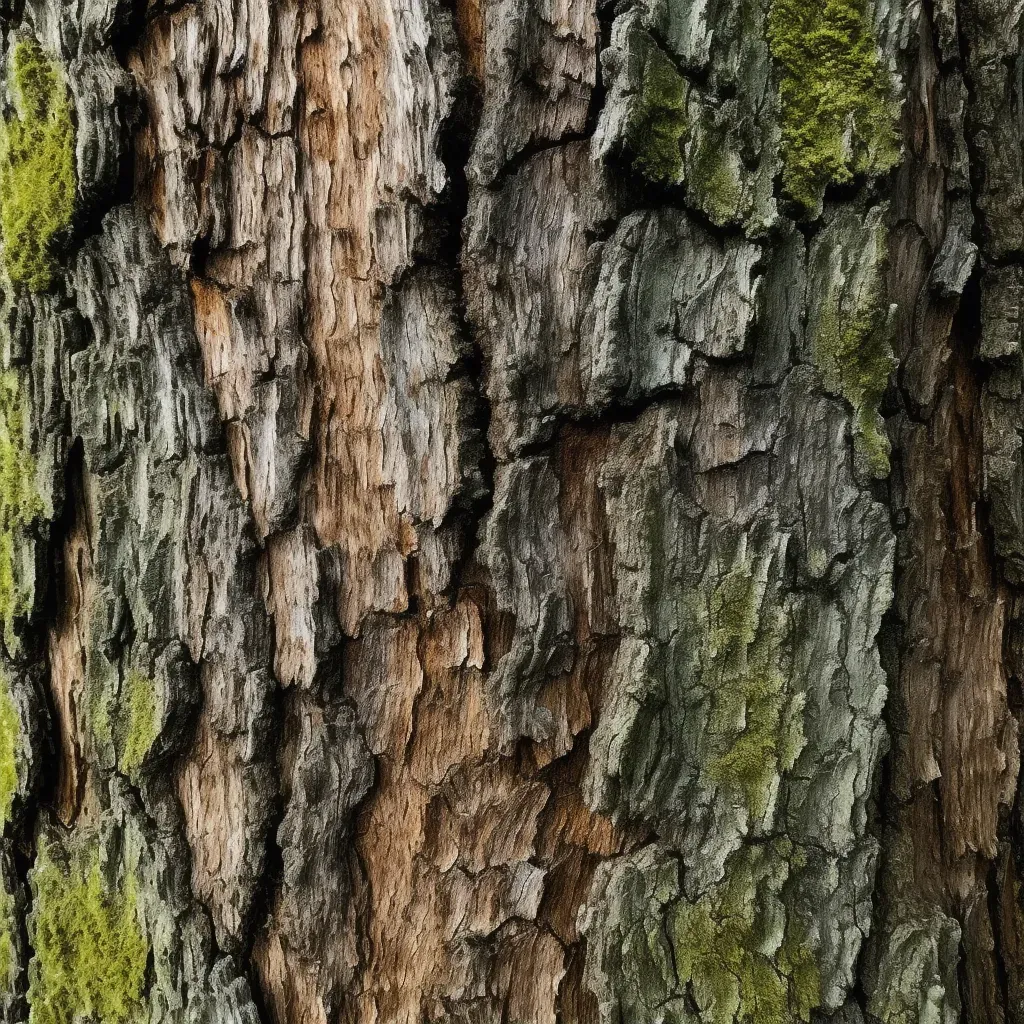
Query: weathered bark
[512, 512]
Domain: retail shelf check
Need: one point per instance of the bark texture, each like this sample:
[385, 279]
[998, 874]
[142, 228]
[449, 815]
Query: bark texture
[511, 511]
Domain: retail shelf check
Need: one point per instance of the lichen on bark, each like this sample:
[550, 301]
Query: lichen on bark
[9, 966]
[10, 745]
[37, 167]
[138, 724]
[851, 325]
[743, 956]
[20, 504]
[90, 952]
[736, 953]
[754, 712]
[838, 112]
[657, 126]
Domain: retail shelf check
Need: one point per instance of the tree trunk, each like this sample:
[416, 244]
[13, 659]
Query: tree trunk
[512, 512]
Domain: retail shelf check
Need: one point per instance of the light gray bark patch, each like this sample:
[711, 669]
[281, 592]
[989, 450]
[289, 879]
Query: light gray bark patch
[572, 325]
[666, 288]
[531, 265]
[541, 65]
[525, 550]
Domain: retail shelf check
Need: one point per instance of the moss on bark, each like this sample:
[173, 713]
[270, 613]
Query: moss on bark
[837, 112]
[90, 952]
[734, 947]
[10, 728]
[138, 723]
[20, 503]
[658, 126]
[754, 713]
[37, 167]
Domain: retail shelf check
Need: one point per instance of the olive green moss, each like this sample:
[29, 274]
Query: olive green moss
[10, 730]
[37, 167]
[713, 182]
[90, 952]
[743, 965]
[20, 503]
[755, 722]
[852, 349]
[838, 117]
[658, 123]
[122, 715]
[138, 723]
[799, 965]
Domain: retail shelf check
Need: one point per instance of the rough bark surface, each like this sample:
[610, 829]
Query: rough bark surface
[512, 511]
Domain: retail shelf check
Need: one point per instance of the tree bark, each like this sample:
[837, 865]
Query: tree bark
[512, 511]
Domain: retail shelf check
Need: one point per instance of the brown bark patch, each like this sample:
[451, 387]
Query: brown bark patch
[68, 646]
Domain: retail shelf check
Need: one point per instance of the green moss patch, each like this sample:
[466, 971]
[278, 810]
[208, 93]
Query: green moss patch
[20, 503]
[854, 354]
[744, 964]
[10, 731]
[852, 346]
[838, 117]
[658, 122]
[755, 721]
[37, 167]
[714, 183]
[8, 960]
[90, 952]
[138, 721]
[123, 719]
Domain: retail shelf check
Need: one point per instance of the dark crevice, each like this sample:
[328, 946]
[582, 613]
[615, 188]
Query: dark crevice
[599, 93]
[994, 896]
[535, 148]
[619, 411]
[473, 502]
[281, 715]
[119, 189]
[51, 611]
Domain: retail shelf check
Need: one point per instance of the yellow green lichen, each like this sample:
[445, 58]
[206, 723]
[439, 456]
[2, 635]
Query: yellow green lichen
[744, 961]
[658, 122]
[37, 167]
[756, 722]
[90, 952]
[123, 718]
[20, 503]
[138, 723]
[7, 958]
[10, 729]
[101, 691]
[838, 117]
